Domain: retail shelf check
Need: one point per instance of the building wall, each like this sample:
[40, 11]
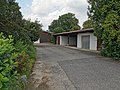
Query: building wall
[45, 37]
[72, 41]
[63, 40]
[93, 40]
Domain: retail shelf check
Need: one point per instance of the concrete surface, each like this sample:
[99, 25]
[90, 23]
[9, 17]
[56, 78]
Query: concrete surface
[71, 69]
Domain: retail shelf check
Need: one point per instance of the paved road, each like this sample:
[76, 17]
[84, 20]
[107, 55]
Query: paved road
[86, 70]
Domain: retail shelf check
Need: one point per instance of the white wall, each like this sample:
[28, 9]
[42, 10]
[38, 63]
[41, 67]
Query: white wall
[38, 41]
[93, 40]
[63, 40]
[72, 41]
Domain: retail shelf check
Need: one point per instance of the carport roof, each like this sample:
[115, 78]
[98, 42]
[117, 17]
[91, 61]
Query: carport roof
[75, 32]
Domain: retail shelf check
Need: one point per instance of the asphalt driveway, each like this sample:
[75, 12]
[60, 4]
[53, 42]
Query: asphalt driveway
[85, 70]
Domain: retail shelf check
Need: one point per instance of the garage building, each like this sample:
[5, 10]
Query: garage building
[84, 39]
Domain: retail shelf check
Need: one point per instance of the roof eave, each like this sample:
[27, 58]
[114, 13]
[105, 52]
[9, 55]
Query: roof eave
[77, 31]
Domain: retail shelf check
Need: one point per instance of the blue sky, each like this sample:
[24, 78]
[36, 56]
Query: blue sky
[24, 2]
[25, 6]
[48, 10]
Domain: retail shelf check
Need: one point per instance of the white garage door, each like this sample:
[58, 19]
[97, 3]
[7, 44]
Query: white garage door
[85, 41]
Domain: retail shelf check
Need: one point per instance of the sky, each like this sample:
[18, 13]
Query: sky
[46, 11]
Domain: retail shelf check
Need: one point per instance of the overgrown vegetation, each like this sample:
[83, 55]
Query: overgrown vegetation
[17, 53]
[105, 15]
[15, 60]
[26, 57]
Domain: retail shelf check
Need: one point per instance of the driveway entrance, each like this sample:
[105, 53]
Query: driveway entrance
[81, 70]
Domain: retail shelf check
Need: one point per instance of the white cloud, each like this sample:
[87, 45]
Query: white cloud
[48, 10]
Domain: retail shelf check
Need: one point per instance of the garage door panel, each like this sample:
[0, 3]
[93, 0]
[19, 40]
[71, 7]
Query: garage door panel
[85, 41]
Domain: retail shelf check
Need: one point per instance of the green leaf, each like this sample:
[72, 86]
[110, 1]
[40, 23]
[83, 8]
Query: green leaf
[1, 68]
[5, 79]
[4, 88]
[1, 84]
[1, 76]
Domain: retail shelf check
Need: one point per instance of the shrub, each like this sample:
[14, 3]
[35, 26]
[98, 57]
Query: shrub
[16, 60]
[53, 39]
[112, 50]
[26, 57]
[7, 61]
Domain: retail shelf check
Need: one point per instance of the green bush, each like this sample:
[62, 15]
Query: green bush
[26, 57]
[16, 60]
[105, 15]
[7, 62]
[112, 50]
[53, 39]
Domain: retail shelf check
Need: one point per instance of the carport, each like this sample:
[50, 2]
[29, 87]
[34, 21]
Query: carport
[66, 38]
[83, 38]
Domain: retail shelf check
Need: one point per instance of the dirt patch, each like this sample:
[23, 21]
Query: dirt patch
[43, 85]
[39, 78]
[38, 84]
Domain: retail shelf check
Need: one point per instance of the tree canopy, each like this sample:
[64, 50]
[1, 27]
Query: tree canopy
[33, 29]
[11, 23]
[64, 23]
[105, 15]
[17, 53]
[87, 24]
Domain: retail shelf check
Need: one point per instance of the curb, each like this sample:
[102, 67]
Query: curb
[85, 50]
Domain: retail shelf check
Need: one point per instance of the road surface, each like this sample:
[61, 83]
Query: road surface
[77, 69]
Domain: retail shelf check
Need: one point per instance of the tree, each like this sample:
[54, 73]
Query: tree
[10, 18]
[11, 23]
[58, 30]
[64, 23]
[54, 25]
[33, 29]
[17, 53]
[75, 28]
[105, 15]
[87, 24]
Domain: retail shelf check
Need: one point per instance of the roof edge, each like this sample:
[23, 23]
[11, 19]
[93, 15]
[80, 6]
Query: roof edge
[76, 31]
